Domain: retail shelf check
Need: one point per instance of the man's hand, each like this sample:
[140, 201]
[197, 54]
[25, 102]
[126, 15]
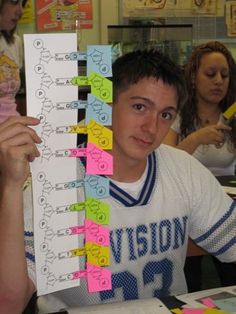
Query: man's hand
[17, 147]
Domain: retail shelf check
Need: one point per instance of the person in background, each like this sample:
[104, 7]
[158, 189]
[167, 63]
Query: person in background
[200, 130]
[156, 199]
[11, 56]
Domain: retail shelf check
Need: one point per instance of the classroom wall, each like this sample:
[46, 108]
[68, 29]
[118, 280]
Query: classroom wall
[85, 36]
[110, 12]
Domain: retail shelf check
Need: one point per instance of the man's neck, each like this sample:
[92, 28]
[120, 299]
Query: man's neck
[125, 171]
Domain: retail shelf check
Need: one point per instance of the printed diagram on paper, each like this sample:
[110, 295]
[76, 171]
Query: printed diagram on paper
[70, 218]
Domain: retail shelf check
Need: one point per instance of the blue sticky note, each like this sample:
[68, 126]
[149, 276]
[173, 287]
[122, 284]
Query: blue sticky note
[98, 110]
[99, 60]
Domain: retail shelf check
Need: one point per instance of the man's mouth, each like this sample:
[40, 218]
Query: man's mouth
[143, 142]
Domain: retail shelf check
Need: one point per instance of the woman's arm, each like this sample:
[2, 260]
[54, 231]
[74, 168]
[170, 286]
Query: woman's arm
[212, 134]
[189, 144]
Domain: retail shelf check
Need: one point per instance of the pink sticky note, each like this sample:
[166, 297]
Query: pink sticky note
[208, 302]
[76, 230]
[96, 233]
[98, 278]
[79, 274]
[98, 161]
[77, 152]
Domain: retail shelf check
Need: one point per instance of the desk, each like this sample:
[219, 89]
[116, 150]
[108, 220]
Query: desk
[222, 298]
[229, 184]
[227, 180]
[142, 306]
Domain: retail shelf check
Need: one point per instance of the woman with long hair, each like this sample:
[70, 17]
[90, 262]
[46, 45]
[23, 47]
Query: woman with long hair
[11, 56]
[200, 128]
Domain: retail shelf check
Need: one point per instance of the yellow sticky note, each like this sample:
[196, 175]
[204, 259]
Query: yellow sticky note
[78, 252]
[99, 135]
[78, 129]
[215, 311]
[97, 255]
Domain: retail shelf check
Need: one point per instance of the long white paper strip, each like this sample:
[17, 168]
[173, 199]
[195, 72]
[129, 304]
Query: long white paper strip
[44, 71]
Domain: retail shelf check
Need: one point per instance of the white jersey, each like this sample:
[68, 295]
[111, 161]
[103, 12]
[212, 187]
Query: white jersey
[149, 231]
[220, 161]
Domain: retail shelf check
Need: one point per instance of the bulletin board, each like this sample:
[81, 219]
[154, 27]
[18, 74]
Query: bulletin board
[167, 7]
[211, 19]
[63, 15]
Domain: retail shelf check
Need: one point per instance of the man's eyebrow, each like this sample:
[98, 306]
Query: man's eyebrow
[143, 99]
[174, 107]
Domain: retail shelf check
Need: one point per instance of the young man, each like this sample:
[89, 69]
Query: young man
[159, 196]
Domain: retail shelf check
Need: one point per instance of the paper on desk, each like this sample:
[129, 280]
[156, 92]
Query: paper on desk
[230, 190]
[144, 306]
[221, 297]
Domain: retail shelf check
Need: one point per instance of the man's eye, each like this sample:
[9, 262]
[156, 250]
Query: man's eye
[167, 116]
[139, 107]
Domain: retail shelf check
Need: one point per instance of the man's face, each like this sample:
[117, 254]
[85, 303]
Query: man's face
[142, 116]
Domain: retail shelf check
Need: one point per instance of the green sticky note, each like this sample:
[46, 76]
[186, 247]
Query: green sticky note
[80, 81]
[101, 87]
[97, 211]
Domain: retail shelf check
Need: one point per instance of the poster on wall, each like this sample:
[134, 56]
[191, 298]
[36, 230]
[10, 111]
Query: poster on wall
[205, 7]
[138, 7]
[27, 17]
[230, 17]
[131, 8]
[63, 15]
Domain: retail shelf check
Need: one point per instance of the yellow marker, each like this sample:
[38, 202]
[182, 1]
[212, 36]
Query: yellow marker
[230, 112]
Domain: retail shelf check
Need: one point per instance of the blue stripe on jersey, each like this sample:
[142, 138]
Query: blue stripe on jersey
[144, 196]
[30, 256]
[28, 234]
[225, 247]
[148, 186]
[217, 225]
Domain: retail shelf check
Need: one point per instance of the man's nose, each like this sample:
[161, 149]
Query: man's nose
[151, 124]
